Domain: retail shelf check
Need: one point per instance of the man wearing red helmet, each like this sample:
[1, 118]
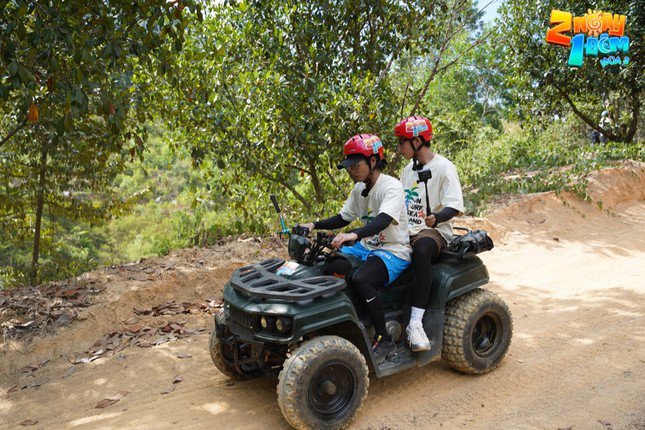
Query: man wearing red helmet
[430, 227]
[383, 241]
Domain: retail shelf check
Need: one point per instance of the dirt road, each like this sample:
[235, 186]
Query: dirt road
[573, 275]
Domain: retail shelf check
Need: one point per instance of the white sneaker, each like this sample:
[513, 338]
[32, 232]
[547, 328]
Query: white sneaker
[417, 338]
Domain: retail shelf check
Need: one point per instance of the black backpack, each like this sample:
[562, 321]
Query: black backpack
[468, 244]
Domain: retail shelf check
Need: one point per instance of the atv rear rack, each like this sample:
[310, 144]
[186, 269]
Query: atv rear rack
[259, 280]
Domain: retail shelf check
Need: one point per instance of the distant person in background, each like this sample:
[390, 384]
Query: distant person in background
[606, 122]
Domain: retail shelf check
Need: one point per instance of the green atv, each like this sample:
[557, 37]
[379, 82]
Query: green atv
[286, 319]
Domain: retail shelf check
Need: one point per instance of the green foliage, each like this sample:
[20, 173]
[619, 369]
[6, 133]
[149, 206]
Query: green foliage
[172, 208]
[465, 97]
[68, 248]
[271, 91]
[543, 84]
[522, 161]
[74, 107]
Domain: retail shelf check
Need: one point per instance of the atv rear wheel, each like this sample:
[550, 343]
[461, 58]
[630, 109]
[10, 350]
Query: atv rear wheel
[221, 354]
[323, 384]
[477, 332]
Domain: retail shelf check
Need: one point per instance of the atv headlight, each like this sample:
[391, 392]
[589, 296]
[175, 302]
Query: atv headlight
[283, 324]
[267, 323]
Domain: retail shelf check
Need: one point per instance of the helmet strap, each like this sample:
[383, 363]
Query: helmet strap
[368, 180]
[416, 164]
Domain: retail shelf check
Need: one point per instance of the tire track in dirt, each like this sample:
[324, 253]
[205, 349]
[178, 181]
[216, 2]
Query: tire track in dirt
[557, 377]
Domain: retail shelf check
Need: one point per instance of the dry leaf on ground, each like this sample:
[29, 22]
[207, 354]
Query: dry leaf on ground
[168, 390]
[108, 401]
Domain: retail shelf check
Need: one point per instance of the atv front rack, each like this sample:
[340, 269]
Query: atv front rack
[258, 280]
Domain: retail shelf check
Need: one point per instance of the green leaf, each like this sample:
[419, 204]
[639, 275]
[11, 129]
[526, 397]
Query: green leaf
[13, 68]
[26, 76]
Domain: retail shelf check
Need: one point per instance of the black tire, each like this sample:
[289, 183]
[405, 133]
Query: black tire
[323, 384]
[477, 332]
[218, 354]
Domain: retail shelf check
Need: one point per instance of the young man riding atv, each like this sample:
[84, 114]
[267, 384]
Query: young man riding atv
[378, 201]
[430, 211]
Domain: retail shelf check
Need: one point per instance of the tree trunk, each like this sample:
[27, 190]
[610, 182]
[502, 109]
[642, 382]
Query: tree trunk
[40, 202]
[636, 107]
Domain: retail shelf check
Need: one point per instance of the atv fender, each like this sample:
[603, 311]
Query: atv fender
[452, 278]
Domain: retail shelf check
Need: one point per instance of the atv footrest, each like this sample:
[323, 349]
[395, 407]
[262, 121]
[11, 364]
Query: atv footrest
[256, 281]
[404, 359]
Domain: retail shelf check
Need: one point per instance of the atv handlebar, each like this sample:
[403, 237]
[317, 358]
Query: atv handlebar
[275, 203]
[308, 250]
[277, 209]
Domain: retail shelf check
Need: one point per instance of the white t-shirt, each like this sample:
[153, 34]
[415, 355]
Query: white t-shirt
[386, 196]
[444, 190]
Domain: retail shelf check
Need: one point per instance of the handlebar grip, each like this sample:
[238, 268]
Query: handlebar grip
[275, 203]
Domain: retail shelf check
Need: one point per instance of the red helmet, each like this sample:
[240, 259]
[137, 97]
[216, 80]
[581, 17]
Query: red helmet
[414, 126]
[359, 147]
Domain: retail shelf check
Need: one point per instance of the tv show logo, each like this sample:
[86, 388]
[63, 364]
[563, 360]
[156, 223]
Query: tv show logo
[605, 36]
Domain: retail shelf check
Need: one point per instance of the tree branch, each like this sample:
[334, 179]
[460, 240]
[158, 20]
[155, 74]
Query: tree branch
[14, 131]
[332, 180]
[436, 69]
[433, 73]
[405, 97]
[477, 42]
[582, 116]
[385, 71]
[298, 169]
[295, 193]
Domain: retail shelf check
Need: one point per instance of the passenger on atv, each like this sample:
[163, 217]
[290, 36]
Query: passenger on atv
[382, 243]
[430, 208]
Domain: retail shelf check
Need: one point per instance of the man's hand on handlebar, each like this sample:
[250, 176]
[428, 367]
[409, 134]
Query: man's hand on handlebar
[342, 238]
[309, 225]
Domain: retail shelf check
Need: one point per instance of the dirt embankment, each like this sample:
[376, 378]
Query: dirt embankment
[572, 272]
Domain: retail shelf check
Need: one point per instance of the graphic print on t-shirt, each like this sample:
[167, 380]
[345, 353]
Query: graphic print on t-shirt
[416, 213]
[367, 218]
[377, 239]
[410, 194]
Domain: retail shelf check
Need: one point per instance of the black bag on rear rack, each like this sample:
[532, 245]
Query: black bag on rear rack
[471, 243]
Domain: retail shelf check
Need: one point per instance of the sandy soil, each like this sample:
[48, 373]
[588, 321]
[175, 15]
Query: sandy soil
[573, 273]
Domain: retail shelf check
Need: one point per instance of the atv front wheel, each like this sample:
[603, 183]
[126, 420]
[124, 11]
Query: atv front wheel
[477, 332]
[323, 384]
[223, 355]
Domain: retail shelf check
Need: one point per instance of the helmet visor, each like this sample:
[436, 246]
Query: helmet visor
[350, 160]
